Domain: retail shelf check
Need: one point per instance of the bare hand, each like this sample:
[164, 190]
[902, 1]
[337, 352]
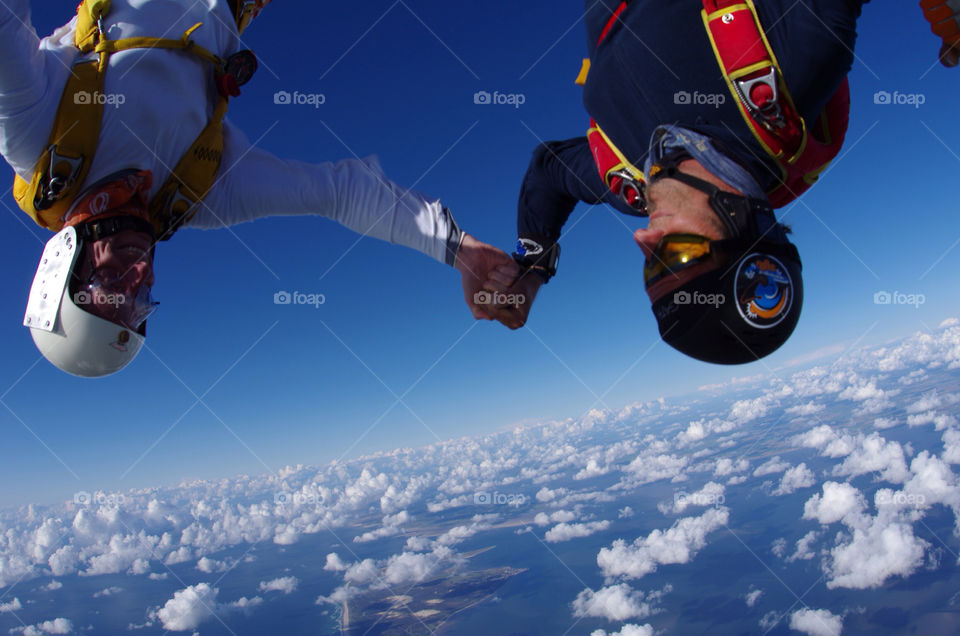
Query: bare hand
[513, 300]
[475, 261]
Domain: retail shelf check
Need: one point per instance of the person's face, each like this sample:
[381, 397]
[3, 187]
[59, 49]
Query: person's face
[122, 264]
[676, 208]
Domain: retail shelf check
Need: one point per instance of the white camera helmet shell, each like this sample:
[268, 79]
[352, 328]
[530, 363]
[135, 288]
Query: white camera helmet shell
[72, 339]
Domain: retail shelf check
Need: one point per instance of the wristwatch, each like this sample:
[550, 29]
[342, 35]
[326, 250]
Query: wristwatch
[532, 256]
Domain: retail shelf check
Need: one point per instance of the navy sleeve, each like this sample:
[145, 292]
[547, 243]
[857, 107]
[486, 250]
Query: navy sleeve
[561, 173]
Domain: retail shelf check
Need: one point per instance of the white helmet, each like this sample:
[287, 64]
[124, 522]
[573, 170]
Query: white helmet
[74, 340]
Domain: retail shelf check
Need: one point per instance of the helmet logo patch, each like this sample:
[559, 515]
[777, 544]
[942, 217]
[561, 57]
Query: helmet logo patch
[123, 338]
[764, 290]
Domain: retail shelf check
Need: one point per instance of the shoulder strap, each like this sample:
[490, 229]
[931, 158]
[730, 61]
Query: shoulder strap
[64, 165]
[756, 82]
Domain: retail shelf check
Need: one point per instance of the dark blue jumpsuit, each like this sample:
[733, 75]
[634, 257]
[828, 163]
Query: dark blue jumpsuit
[656, 49]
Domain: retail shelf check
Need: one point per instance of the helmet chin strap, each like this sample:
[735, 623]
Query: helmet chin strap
[97, 229]
[742, 217]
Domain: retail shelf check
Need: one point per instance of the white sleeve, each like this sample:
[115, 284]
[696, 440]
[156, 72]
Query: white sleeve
[32, 73]
[355, 193]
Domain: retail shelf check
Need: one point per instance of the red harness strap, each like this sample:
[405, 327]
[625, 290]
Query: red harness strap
[756, 82]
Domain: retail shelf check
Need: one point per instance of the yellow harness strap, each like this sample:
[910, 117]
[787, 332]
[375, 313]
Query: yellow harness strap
[64, 165]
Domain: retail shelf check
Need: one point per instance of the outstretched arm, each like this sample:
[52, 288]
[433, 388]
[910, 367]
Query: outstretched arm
[355, 193]
[561, 173]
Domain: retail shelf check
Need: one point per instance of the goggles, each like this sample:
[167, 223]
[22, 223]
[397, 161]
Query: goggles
[674, 253]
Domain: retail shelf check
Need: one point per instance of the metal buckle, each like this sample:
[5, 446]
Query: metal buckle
[174, 220]
[769, 115]
[51, 191]
[628, 180]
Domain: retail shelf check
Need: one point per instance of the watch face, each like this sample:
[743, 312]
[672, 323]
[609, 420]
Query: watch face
[764, 291]
[528, 247]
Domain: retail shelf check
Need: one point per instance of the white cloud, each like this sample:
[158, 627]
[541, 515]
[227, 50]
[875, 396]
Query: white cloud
[195, 604]
[627, 630]
[678, 544]
[567, 531]
[110, 591]
[839, 501]
[811, 408]
[779, 547]
[12, 606]
[794, 479]
[726, 466]
[752, 597]
[770, 620]
[875, 454]
[559, 516]
[951, 446]
[803, 551]
[627, 512]
[816, 622]
[771, 466]
[334, 563]
[56, 626]
[744, 411]
[546, 495]
[614, 603]
[209, 566]
[188, 608]
[695, 432]
[927, 402]
[411, 567]
[646, 468]
[881, 547]
[827, 441]
[592, 469]
[392, 526]
[286, 584]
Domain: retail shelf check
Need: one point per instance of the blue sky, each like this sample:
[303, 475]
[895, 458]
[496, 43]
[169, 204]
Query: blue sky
[233, 383]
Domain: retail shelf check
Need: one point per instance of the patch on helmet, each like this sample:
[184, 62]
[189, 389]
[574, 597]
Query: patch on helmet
[764, 291]
[123, 339]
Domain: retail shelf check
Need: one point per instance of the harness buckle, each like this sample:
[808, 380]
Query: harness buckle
[630, 190]
[53, 185]
[173, 219]
[764, 108]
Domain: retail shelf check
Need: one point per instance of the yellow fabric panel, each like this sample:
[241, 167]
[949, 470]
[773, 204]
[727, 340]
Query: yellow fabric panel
[584, 71]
